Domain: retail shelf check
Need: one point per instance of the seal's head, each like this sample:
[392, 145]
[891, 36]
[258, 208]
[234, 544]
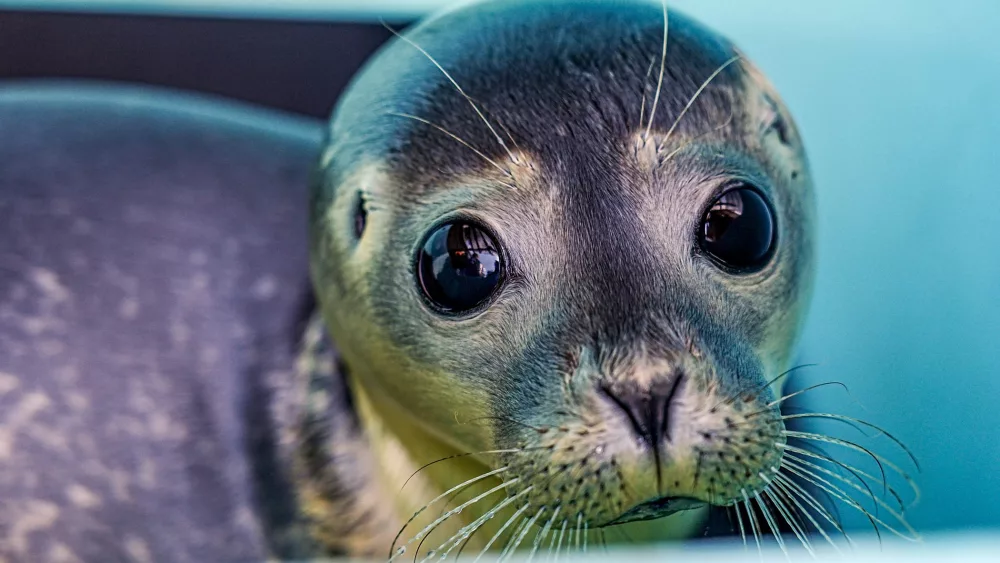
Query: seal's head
[536, 235]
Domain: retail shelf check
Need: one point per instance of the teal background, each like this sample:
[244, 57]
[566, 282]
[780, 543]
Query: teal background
[899, 103]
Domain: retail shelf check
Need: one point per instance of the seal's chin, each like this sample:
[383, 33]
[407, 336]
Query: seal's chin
[658, 508]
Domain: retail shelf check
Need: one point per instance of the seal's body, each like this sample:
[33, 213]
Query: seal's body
[153, 276]
[565, 249]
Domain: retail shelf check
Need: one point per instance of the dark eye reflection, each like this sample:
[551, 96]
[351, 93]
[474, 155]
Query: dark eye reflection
[738, 229]
[459, 266]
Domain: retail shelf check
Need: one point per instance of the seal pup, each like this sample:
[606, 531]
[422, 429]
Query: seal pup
[565, 249]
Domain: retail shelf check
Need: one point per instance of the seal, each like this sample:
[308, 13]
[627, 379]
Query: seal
[561, 252]
[565, 249]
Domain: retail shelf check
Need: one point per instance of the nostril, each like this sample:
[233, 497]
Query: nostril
[648, 410]
[669, 405]
[636, 406]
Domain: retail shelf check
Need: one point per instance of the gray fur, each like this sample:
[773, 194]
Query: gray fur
[152, 272]
[600, 229]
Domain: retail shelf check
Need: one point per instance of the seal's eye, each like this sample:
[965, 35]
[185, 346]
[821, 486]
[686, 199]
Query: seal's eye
[459, 266]
[738, 229]
[360, 217]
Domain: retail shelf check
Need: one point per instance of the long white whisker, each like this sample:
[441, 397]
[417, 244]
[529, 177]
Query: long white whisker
[879, 460]
[784, 398]
[579, 528]
[470, 529]
[847, 444]
[543, 533]
[509, 552]
[769, 518]
[697, 93]
[739, 520]
[457, 87]
[802, 510]
[815, 504]
[440, 497]
[521, 528]
[811, 468]
[800, 455]
[753, 523]
[663, 65]
[514, 517]
[853, 420]
[838, 494]
[674, 152]
[562, 534]
[460, 140]
[832, 489]
[793, 522]
[642, 108]
[851, 445]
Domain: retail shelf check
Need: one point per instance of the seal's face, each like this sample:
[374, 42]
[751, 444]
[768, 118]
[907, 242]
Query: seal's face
[603, 292]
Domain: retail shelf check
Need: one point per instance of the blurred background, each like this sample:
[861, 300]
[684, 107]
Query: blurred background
[899, 104]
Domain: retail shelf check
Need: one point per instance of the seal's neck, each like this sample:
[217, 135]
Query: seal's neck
[334, 471]
[422, 475]
[357, 462]
[361, 466]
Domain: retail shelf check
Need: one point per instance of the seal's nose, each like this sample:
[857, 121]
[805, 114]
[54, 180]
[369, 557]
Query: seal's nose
[648, 410]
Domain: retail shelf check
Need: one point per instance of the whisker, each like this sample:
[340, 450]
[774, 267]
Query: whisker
[467, 531]
[514, 517]
[562, 534]
[579, 527]
[438, 498]
[797, 454]
[880, 460]
[507, 419]
[857, 473]
[739, 520]
[806, 464]
[784, 398]
[543, 533]
[793, 522]
[820, 451]
[806, 496]
[819, 481]
[766, 384]
[753, 523]
[506, 131]
[697, 138]
[456, 456]
[522, 527]
[780, 487]
[697, 93]
[513, 547]
[850, 502]
[457, 87]
[769, 518]
[586, 526]
[460, 140]
[433, 525]
[552, 544]
[458, 556]
[642, 107]
[663, 66]
[850, 419]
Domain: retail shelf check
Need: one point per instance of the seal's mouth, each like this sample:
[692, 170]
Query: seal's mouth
[664, 506]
